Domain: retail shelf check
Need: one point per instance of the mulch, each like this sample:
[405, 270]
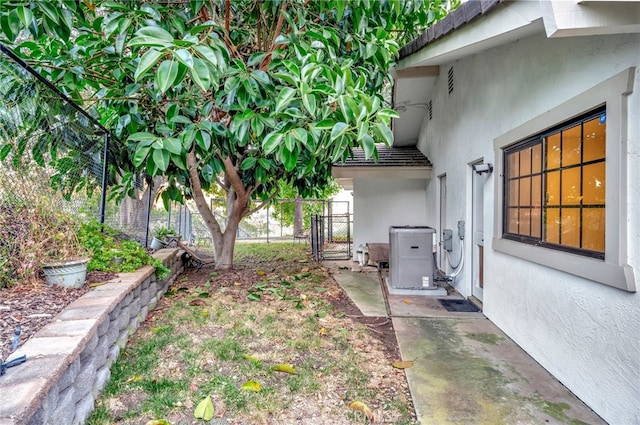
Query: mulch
[33, 305]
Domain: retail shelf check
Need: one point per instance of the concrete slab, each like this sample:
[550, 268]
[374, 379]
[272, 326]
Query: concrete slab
[364, 290]
[465, 371]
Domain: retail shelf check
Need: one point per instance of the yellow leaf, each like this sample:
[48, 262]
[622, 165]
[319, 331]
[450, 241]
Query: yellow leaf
[286, 368]
[204, 409]
[251, 386]
[361, 407]
[134, 378]
[205, 313]
[402, 364]
[323, 332]
[407, 301]
[261, 272]
[158, 422]
[252, 359]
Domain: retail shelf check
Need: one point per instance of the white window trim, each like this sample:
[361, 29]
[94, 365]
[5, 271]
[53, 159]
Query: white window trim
[614, 270]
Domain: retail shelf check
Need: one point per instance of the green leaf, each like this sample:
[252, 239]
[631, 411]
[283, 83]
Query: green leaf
[248, 163]
[324, 124]
[309, 102]
[173, 145]
[200, 74]
[390, 113]
[50, 11]
[166, 74]
[161, 159]
[155, 32]
[207, 172]
[290, 159]
[203, 139]
[142, 137]
[147, 61]
[271, 141]
[338, 130]
[4, 152]
[384, 133]
[284, 98]
[141, 155]
[207, 54]
[25, 15]
[204, 409]
[368, 146]
[185, 57]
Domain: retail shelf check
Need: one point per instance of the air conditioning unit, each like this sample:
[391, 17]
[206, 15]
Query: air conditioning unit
[411, 261]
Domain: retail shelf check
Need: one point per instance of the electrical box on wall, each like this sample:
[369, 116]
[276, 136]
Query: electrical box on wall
[461, 229]
[447, 239]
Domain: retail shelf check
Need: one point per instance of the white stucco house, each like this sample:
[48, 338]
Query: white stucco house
[529, 115]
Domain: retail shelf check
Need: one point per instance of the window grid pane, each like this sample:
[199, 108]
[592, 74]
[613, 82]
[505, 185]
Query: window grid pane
[556, 187]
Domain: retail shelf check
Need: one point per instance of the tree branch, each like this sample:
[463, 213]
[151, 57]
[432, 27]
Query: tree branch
[234, 178]
[267, 60]
[262, 204]
[198, 196]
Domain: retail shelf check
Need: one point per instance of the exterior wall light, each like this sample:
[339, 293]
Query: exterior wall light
[483, 168]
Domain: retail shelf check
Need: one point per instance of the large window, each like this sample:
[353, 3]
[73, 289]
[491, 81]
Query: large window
[559, 204]
[555, 187]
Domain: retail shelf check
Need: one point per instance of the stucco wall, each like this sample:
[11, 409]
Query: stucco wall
[584, 333]
[380, 203]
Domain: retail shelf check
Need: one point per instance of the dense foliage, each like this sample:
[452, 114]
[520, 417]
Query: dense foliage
[244, 94]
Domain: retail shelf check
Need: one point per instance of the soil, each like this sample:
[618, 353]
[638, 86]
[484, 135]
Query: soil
[31, 306]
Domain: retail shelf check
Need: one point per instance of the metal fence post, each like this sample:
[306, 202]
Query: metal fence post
[103, 197]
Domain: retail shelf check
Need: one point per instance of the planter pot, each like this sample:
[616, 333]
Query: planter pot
[70, 274]
[157, 244]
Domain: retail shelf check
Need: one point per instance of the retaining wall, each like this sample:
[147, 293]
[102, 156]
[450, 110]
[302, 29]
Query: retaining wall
[68, 360]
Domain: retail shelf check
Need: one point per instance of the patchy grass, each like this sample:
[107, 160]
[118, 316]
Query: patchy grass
[214, 332]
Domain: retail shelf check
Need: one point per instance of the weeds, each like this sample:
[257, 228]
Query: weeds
[181, 356]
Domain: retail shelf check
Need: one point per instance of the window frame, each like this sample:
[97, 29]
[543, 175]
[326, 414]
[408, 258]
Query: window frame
[540, 140]
[614, 269]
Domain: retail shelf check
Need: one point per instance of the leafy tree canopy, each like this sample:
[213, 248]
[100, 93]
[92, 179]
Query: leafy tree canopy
[240, 93]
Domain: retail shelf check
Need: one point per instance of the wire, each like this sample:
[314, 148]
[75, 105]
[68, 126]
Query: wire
[460, 262]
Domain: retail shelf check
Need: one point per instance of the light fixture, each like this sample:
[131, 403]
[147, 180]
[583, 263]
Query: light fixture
[483, 168]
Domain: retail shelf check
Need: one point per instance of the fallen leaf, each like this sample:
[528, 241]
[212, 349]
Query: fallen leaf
[198, 302]
[134, 378]
[252, 359]
[204, 409]
[407, 301]
[158, 422]
[261, 272]
[361, 407]
[251, 386]
[286, 368]
[323, 331]
[402, 364]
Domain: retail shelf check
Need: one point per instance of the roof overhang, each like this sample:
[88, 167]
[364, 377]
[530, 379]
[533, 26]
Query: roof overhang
[470, 30]
[357, 172]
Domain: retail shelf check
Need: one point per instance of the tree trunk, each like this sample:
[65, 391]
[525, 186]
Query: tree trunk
[298, 215]
[237, 203]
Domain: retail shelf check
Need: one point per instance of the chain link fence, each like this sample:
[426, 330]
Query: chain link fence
[56, 160]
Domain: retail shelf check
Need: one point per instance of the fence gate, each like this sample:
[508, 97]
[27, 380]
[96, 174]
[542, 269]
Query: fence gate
[331, 237]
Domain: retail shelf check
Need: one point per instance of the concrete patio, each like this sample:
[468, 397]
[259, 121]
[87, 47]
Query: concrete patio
[465, 371]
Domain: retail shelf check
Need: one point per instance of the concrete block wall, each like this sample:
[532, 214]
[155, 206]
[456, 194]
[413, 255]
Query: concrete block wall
[68, 360]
